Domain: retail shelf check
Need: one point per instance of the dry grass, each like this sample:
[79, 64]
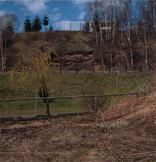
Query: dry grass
[96, 137]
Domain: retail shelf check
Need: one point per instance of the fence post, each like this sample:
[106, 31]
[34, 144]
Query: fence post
[76, 68]
[47, 107]
[93, 69]
[126, 69]
[60, 69]
[94, 103]
[140, 69]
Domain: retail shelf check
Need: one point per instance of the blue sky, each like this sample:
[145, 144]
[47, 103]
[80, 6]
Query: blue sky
[57, 10]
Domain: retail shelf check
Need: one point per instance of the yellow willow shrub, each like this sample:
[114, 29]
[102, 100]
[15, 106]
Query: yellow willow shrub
[33, 74]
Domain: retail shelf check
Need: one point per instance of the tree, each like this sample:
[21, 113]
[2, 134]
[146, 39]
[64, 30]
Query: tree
[35, 76]
[109, 18]
[8, 24]
[10, 27]
[151, 9]
[96, 21]
[147, 27]
[45, 22]
[127, 28]
[8, 19]
[51, 28]
[27, 25]
[37, 24]
[99, 14]
[86, 27]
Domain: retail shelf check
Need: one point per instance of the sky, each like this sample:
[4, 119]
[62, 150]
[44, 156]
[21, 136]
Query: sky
[60, 12]
[57, 10]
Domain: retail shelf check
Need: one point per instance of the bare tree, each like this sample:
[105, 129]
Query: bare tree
[8, 24]
[147, 27]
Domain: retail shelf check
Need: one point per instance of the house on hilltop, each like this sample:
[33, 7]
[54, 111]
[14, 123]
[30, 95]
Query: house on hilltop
[104, 26]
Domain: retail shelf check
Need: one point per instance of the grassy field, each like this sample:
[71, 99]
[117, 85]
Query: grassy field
[69, 84]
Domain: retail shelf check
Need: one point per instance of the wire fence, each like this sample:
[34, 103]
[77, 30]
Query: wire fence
[27, 108]
[79, 68]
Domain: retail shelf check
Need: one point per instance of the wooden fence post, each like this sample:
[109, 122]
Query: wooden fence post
[93, 69]
[126, 69]
[94, 104]
[140, 69]
[76, 69]
[60, 69]
[47, 107]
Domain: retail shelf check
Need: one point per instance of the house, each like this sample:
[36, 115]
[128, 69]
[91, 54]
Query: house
[104, 26]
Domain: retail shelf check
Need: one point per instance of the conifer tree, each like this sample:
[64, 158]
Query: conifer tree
[45, 22]
[51, 28]
[27, 25]
[37, 24]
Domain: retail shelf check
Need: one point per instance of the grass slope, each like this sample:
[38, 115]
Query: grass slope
[70, 84]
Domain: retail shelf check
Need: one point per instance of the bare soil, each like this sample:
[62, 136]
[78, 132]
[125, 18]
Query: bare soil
[126, 132]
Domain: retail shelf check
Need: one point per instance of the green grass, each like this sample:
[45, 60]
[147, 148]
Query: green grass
[70, 84]
[13, 109]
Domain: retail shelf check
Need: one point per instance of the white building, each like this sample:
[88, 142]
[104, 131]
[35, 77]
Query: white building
[104, 26]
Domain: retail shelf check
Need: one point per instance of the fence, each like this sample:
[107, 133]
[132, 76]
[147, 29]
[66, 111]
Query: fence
[28, 108]
[79, 68]
[70, 25]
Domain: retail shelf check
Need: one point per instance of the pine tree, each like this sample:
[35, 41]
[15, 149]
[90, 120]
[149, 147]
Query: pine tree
[51, 28]
[37, 24]
[27, 25]
[45, 22]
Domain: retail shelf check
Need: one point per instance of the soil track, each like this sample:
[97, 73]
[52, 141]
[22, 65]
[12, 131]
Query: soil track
[124, 133]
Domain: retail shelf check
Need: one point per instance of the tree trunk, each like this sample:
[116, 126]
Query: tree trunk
[101, 48]
[45, 28]
[3, 56]
[131, 55]
[146, 49]
[128, 37]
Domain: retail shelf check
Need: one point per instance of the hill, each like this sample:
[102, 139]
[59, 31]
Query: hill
[70, 49]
